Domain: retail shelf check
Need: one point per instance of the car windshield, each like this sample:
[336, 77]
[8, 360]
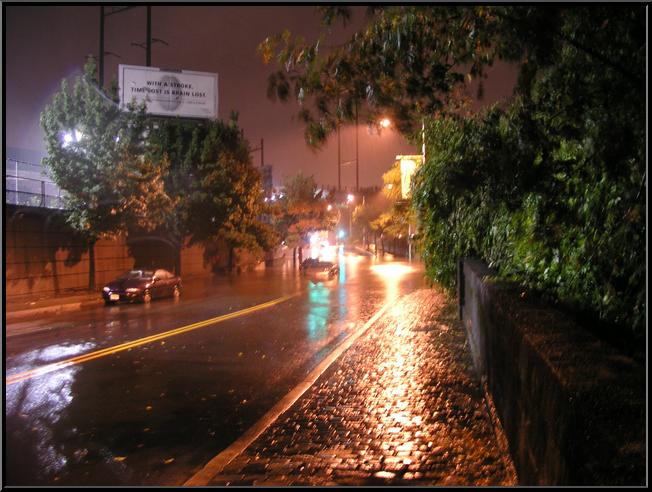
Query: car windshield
[137, 274]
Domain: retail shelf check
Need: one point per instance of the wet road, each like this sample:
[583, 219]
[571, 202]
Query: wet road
[158, 408]
[402, 407]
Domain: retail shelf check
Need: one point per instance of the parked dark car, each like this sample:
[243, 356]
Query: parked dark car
[142, 285]
[318, 268]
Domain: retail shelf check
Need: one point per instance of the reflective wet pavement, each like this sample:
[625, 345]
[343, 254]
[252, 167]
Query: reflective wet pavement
[401, 407]
[155, 412]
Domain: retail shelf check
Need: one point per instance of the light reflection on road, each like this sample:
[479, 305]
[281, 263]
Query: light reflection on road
[39, 404]
[318, 311]
[47, 355]
[392, 275]
[54, 419]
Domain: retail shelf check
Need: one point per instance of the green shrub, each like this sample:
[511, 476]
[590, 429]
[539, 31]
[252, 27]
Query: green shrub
[547, 210]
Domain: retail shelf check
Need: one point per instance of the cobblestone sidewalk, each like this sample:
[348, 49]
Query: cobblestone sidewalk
[402, 406]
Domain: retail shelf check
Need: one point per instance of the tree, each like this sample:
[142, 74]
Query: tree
[127, 172]
[302, 210]
[386, 214]
[95, 156]
[401, 211]
[406, 63]
[366, 213]
[218, 192]
[409, 60]
[550, 189]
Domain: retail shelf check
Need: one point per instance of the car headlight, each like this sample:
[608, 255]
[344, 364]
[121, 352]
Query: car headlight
[106, 289]
[132, 289]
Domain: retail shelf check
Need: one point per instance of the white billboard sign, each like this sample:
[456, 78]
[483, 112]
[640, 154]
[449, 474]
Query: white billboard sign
[169, 92]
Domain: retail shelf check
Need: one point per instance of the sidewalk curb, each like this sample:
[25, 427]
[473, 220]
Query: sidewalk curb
[24, 313]
[221, 460]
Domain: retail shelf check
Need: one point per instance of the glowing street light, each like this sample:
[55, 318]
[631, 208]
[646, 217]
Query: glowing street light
[329, 208]
[74, 136]
[385, 122]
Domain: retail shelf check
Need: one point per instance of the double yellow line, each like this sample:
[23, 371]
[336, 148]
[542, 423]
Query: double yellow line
[39, 371]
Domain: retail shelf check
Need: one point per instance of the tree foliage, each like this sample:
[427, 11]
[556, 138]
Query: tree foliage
[550, 191]
[302, 209]
[408, 61]
[386, 214]
[217, 190]
[125, 171]
[95, 155]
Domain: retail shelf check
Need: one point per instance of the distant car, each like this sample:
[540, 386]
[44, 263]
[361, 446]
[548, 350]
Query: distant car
[142, 285]
[319, 268]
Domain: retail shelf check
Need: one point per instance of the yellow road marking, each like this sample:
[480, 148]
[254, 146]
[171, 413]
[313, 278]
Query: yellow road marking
[39, 371]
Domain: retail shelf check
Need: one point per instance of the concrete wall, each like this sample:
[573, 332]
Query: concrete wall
[573, 409]
[44, 257]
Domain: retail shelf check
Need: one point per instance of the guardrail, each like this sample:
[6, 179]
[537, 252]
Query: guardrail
[31, 192]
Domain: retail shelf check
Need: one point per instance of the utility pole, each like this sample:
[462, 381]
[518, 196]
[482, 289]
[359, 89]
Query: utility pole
[147, 45]
[101, 57]
[148, 41]
[103, 15]
[262, 152]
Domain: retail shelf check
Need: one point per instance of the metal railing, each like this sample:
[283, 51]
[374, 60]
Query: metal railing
[29, 191]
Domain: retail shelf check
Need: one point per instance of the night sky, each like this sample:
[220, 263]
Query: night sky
[44, 44]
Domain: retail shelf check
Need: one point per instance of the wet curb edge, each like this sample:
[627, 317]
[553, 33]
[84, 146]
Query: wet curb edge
[219, 462]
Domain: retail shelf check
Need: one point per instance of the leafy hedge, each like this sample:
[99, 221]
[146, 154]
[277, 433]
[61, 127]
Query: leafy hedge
[557, 206]
[551, 190]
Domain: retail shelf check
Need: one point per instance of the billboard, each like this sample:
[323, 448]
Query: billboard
[169, 92]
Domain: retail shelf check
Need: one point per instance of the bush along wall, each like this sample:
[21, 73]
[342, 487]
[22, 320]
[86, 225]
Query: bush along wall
[551, 189]
[553, 201]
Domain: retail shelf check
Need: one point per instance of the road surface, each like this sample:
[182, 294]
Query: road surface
[143, 394]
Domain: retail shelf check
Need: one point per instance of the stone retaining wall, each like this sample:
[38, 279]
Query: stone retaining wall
[573, 408]
[43, 256]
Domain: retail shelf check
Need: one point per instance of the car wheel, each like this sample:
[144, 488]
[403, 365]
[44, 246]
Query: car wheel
[147, 296]
[176, 292]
